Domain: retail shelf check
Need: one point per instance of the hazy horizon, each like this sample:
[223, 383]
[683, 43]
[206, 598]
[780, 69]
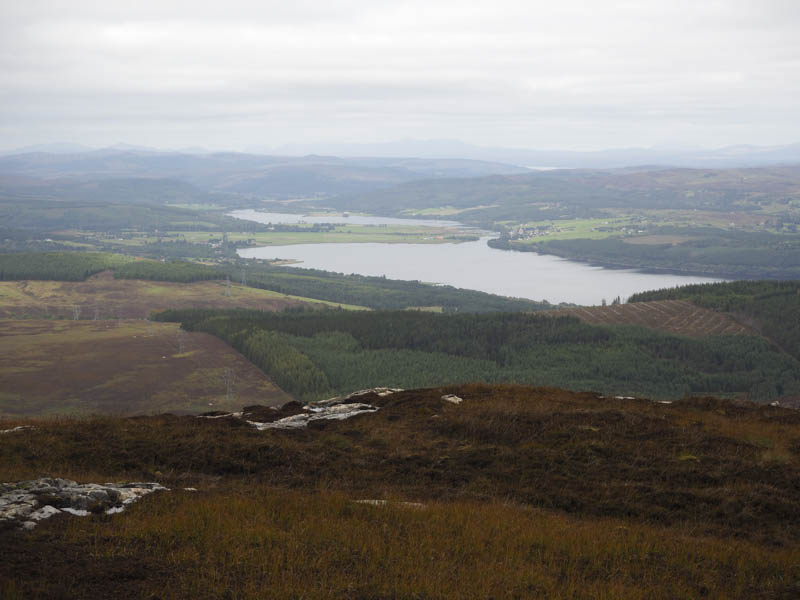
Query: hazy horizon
[535, 75]
[70, 146]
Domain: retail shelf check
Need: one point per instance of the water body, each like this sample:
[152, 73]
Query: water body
[474, 265]
[290, 219]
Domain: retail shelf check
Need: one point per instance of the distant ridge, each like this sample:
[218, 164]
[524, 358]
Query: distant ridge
[729, 156]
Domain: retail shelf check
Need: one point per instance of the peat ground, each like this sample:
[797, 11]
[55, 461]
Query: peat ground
[527, 492]
[58, 367]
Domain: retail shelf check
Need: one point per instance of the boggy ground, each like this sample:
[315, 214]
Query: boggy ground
[527, 493]
[52, 367]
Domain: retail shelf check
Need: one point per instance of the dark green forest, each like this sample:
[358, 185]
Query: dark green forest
[58, 266]
[177, 271]
[374, 292]
[336, 352]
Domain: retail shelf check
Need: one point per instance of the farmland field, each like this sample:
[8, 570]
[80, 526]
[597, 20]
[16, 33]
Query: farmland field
[674, 316]
[122, 367]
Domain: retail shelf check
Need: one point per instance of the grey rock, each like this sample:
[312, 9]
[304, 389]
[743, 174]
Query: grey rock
[27, 502]
[16, 429]
[43, 513]
[338, 408]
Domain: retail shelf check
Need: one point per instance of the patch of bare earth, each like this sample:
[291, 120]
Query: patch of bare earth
[122, 367]
[674, 316]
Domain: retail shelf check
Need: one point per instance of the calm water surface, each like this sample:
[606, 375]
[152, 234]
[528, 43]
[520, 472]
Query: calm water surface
[475, 266]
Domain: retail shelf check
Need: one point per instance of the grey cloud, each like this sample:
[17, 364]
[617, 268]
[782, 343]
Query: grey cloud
[506, 72]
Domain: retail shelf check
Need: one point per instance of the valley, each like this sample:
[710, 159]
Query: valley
[552, 429]
[484, 300]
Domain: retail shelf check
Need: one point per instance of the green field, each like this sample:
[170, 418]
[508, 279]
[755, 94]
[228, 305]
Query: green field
[340, 234]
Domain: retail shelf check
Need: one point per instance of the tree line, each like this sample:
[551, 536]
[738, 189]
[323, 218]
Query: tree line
[413, 349]
[373, 292]
[59, 266]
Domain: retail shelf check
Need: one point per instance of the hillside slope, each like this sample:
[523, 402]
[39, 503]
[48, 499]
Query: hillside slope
[522, 492]
[123, 367]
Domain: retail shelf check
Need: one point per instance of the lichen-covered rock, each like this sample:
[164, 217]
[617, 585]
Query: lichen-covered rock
[27, 502]
[15, 429]
[294, 415]
[335, 412]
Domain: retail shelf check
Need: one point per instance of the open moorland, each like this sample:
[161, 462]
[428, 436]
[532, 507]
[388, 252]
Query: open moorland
[675, 316]
[108, 298]
[515, 493]
[59, 367]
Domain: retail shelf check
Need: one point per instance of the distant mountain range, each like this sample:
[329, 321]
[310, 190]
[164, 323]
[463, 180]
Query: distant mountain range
[229, 174]
[728, 156]
[133, 174]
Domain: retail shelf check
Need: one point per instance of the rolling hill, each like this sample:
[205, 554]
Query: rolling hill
[512, 492]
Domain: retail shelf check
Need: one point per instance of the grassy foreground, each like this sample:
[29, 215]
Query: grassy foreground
[525, 492]
[268, 543]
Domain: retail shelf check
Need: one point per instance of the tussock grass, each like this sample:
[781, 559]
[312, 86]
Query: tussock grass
[528, 493]
[258, 542]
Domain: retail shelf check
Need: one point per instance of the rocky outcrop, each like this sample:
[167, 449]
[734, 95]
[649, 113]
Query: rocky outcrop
[294, 415]
[335, 412]
[26, 503]
[18, 428]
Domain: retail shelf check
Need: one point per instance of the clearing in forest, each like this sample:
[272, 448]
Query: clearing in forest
[103, 297]
[675, 316]
[50, 367]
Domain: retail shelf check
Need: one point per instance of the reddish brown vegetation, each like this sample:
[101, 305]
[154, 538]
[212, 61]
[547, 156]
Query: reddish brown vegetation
[121, 367]
[674, 316]
[732, 467]
[529, 493]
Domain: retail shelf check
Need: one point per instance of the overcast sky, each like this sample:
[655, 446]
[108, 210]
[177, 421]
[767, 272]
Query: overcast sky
[563, 74]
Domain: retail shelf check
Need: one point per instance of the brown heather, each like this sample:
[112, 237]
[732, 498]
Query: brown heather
[527, 493]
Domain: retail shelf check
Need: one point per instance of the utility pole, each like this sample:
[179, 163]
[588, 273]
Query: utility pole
[228, 377]
[228, 286]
